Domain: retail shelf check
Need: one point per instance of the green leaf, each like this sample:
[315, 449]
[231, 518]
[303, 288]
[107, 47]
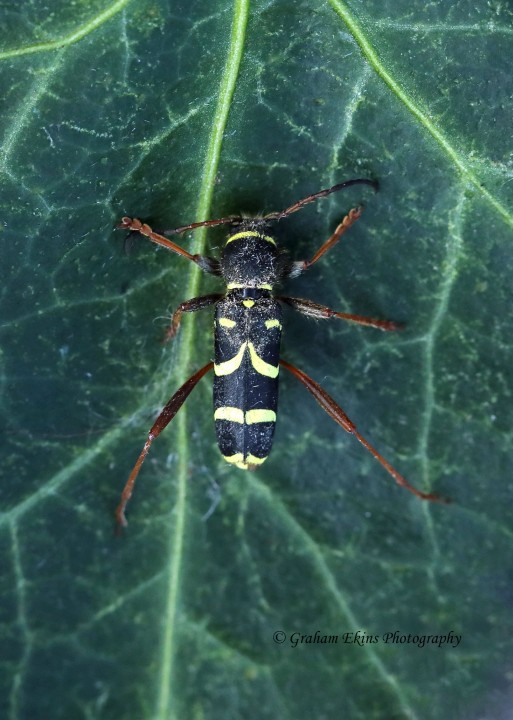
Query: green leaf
[175, 112]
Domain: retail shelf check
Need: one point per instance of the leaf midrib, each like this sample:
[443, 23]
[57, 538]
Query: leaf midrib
[177, 534]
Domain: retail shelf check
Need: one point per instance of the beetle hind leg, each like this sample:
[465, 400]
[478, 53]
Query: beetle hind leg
[165, 417]
[338, 415]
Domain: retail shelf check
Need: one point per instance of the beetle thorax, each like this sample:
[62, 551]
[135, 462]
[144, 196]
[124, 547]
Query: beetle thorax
[251, 259]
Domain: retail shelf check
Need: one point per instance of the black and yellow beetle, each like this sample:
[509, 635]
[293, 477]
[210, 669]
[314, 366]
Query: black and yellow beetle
[248, 324]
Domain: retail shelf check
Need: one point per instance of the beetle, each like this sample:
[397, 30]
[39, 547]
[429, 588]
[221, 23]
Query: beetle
[248, 325]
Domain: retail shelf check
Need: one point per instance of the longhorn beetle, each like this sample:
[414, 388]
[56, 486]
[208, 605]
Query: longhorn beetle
[248, 324]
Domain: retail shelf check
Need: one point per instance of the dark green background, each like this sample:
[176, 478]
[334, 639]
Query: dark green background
[124, 113]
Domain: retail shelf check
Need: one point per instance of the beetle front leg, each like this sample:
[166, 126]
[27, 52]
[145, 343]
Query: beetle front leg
[299, 266]
[207, 264]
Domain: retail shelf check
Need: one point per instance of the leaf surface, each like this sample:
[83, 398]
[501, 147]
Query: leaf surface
[175, 112]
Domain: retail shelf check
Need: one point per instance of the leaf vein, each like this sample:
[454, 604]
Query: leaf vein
[455, 156]
[81, 32]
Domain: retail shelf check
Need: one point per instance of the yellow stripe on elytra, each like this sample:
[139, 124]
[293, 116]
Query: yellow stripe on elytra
[250, 233]
[258, 416]
[229, 366]
[260, 365]
[232, 414]
[236, 459]
[244, 464]
[253, 460]
[272, 323]
[251, 417]
[226, 322]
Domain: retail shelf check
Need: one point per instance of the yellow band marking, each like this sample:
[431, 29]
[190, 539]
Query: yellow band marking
[250, 233]
[236, 415]
[226, 322]
[248, 303]
[239, 286]
[229, 366]
[253, 460]
[232, 414]
[237, 459]
[272, 323]
[258, 416]
[244, 464]
[260, 365]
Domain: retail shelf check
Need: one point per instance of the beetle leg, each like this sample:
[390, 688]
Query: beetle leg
[197, 303]
[338, 415]
[320, 194]
[299, 266]
[208, 264]
[165, 417]
[321, 312]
